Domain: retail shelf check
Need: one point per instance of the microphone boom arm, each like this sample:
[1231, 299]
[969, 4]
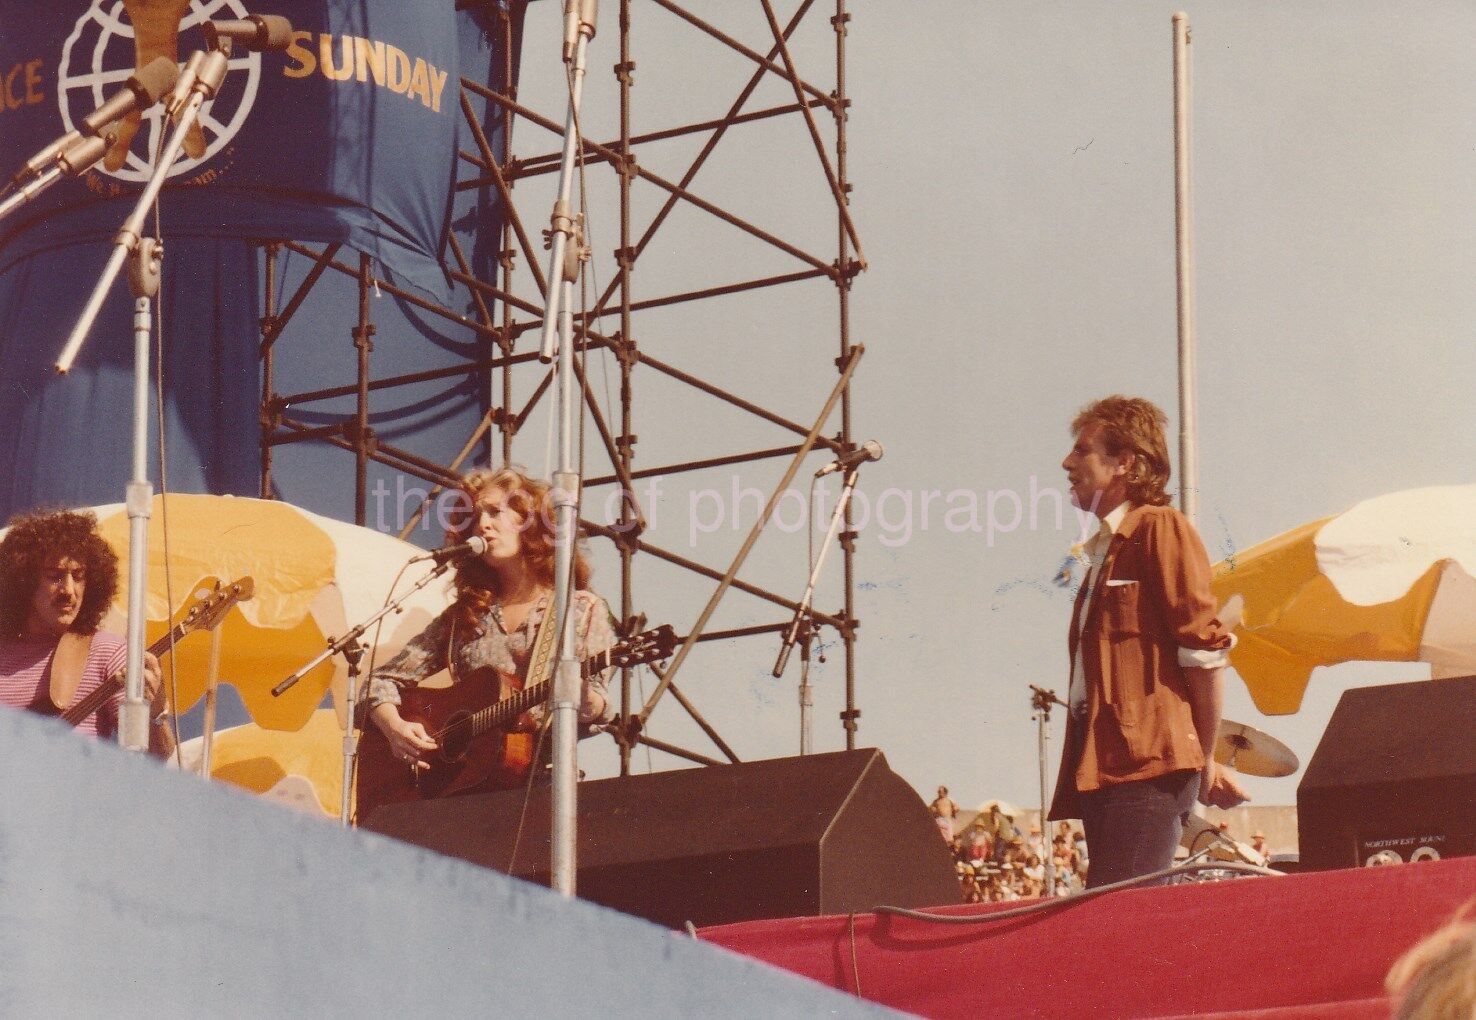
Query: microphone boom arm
[212, 73]
[337, 645]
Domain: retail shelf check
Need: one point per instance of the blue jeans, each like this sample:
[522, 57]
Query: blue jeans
[1132, 829]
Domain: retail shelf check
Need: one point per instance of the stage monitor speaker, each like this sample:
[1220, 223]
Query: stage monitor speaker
[821, 834]
[1393, 778]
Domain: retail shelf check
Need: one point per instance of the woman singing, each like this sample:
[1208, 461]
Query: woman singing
[502, 598]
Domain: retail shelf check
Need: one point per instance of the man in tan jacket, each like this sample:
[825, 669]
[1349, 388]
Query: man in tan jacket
[1147, 652]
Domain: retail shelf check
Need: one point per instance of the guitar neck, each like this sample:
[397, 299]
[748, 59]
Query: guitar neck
[509, 708]
[109, 688]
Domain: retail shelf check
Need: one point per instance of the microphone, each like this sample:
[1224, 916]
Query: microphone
[255, 32]
[474, 546]
[869, 450]
[139, 92]
[1049, 697]
[579, 16]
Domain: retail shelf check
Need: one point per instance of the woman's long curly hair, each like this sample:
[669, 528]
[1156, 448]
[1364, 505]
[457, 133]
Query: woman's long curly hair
[1135, 426]
[476, 584]
[35, 541]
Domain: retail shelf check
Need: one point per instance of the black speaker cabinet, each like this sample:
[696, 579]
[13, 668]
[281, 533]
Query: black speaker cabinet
[821, 834]
[1394, 776]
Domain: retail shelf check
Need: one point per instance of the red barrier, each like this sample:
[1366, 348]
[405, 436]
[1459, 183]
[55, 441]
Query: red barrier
[1301, 945]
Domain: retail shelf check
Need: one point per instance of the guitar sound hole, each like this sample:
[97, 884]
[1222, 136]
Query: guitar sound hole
[456, 737]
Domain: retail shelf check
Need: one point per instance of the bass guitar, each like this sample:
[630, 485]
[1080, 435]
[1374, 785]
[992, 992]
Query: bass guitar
[206, 611]
[471, 722]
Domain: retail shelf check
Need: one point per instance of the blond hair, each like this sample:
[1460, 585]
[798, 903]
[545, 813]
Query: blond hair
[1436, 980]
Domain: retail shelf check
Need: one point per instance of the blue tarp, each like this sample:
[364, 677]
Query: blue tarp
[368, 160]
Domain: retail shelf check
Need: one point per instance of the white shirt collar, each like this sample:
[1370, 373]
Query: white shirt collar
[1109, 526]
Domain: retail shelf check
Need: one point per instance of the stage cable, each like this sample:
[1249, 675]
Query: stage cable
[1075, 898]
[533, 770]
[855, 957]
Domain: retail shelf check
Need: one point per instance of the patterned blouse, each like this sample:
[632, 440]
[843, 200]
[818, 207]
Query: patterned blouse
[490, 645]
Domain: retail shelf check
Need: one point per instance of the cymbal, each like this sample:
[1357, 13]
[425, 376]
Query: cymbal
[1249, 750]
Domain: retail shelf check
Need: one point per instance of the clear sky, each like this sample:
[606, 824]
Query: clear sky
[1013, 187]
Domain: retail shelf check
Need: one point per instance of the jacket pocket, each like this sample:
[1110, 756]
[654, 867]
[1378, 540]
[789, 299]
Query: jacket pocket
[1120, 609]
[1144, 724]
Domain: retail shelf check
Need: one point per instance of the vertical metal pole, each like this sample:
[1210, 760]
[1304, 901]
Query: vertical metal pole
[212, 690]
[579, 16]
[567, 687]
[806, 697]
[363, 343]
[563, 271]
[1184, 247]
[507, 427]
[133, 717]
[1042, 717]
[627, 363]
[268, 324]
[851, 713]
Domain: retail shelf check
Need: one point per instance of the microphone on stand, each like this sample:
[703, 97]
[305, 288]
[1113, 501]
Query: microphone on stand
[255, 32]
[139, 92]
[1049, 697]
[579, 15]
[869, 450]
[474, 546]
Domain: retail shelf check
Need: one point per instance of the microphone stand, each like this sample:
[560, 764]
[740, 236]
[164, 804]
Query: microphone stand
[143, 278]
[1041, 701]
[145, 267]
[212, 71]
[801, 627]
[806, 693]
[567, 252]
[352, 651]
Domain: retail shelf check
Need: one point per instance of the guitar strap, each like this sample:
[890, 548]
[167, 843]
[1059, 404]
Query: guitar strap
[67, 664]
[540, 662]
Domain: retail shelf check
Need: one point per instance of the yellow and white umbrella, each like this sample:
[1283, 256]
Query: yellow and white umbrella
[1392, 579]
[303, 769]
[314, 577]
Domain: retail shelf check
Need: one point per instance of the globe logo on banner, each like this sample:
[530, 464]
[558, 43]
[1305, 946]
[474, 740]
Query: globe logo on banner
[101, 53]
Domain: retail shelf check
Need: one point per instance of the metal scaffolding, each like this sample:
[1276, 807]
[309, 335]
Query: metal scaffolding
[496, 166]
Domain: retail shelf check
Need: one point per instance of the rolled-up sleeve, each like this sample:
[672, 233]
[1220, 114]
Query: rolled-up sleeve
[424, 655]
[1188, 601]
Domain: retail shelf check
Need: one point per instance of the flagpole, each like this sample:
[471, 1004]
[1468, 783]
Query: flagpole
[1184, 252]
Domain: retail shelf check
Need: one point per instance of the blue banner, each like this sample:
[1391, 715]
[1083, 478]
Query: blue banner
[350, 135]
[66, 439]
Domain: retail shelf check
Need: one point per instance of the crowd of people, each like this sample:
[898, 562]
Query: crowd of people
[997, 861]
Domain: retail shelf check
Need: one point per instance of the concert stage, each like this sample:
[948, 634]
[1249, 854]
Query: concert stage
[1301, 945]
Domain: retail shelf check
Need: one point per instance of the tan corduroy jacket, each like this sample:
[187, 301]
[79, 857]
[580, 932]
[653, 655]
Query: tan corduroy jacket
[1150, 598]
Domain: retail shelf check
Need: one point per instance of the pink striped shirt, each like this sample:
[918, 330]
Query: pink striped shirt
[24, 676]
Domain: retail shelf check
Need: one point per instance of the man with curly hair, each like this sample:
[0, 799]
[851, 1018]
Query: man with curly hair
[1147, 650]
[57, 579]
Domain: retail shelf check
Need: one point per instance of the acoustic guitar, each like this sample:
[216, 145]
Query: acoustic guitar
[471, 721]
[205, 612]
